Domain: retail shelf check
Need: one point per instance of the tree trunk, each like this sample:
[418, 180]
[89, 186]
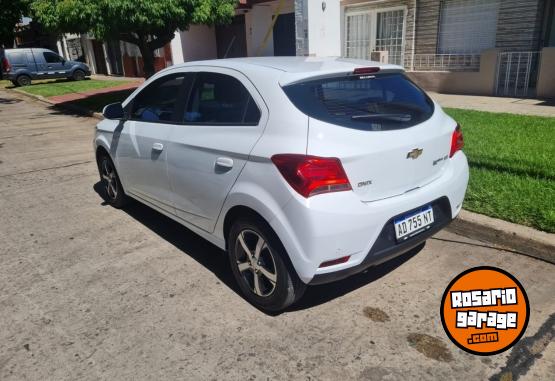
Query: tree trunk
[148, 59]
[148, 46]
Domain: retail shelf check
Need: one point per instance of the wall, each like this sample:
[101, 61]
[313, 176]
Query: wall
[476, 83]
[427, 26]
[177, 48]
[519, 24]
[324, 33]
[546, 77]
[199, 43]
[88, 52]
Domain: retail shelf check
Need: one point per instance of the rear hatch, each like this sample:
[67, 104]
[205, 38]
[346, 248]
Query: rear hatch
[388, 134]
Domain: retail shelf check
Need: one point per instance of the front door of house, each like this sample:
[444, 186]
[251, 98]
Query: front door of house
[284, 35]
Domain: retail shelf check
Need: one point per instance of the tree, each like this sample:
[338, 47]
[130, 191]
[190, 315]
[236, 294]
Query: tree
[149, 24]
[11, 12]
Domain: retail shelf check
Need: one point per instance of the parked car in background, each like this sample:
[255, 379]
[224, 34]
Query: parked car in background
[21, 66]
[306, 170]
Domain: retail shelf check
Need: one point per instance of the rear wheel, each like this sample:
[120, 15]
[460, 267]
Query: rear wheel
[78, 75]
[23, 80]
[261, 267]
[113, 190]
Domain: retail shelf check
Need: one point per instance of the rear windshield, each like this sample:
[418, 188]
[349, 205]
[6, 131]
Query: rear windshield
[366, 102]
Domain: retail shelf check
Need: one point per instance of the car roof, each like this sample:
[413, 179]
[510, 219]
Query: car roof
[24, 49]
[294, 69]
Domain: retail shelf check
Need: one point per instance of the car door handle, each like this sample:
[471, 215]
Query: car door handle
[157, 146]
[224, 162]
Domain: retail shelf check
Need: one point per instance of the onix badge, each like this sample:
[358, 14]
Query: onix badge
[415, 153]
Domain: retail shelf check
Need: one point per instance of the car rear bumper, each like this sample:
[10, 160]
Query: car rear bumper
[386, 248]
[335, 225]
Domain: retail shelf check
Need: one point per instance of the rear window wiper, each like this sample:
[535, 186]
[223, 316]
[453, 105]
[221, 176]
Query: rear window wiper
[393, 117]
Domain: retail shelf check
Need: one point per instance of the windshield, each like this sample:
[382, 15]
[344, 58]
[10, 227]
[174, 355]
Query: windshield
[367, 102]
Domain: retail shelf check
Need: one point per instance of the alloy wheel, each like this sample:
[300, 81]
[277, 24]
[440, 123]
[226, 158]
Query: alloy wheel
[110, 179]
[256, 263]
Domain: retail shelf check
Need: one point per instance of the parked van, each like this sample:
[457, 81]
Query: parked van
[21, 66]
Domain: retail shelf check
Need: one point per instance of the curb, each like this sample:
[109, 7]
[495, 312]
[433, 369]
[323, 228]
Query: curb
[505, 235]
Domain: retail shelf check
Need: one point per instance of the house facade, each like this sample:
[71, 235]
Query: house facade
[266, 28]
[490, 47]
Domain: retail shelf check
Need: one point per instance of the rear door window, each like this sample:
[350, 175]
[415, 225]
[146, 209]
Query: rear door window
[17, 58]
[367, 102]
[220, 99]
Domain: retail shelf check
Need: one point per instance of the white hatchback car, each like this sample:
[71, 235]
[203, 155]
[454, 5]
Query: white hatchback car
[306, 170]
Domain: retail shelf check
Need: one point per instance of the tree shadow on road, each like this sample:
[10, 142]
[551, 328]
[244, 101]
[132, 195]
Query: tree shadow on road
[90, 104]
[215, 260]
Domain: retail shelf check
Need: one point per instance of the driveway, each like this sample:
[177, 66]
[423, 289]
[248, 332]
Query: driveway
[89, 292]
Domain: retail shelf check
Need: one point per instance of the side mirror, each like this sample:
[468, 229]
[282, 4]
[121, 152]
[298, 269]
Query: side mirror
[113, 111]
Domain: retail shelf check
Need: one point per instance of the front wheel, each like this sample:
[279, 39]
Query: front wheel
[261, 267]
[78, 75]
[113, 190]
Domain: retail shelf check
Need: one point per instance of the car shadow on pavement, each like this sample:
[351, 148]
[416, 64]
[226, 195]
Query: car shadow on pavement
[215, 260]
[202, 251]
[316, 295]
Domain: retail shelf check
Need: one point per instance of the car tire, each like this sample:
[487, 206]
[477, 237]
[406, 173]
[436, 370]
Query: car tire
[78, 75]
[265, 276]
[23, 80]
[111, 184]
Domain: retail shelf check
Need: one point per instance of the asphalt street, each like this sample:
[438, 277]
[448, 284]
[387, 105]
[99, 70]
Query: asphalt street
[89, 292]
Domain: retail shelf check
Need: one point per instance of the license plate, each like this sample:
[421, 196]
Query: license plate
[414, 223]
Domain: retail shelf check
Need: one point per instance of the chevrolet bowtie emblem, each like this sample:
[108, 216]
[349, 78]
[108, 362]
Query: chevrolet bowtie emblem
[414, 153]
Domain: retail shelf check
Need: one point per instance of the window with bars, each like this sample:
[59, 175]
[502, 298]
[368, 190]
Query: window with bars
[389, 36]
[375, 30]
[467, 26]
[357, 41]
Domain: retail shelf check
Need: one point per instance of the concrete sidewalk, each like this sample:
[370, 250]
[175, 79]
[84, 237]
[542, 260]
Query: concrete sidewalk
[103, 77]
[496, 104]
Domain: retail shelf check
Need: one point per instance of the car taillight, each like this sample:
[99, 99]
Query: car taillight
[312, 175]
[457, 141]
[6, 65]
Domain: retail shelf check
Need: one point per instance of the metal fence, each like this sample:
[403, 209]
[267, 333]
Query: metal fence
[443, 62]
[516, 73]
